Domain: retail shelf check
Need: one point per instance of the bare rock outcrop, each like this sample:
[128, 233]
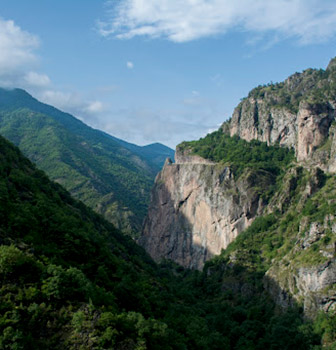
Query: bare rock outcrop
[197, 209]
[311, 284]
[186, 157]
[253, 119]
[306, 131]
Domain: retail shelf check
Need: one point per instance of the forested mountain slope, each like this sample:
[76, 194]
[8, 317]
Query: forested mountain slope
[110, 178]
[70, 280]
[155, 153]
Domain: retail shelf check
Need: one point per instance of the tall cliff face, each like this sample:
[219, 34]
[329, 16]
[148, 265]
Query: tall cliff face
[305, 131]
[198, 209]
[205, 200]
[297, 113]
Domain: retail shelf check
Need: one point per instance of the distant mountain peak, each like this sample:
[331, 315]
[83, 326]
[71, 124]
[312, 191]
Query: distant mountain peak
[110, 175]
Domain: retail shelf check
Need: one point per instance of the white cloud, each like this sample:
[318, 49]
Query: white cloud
[62, 100]
[308, 21]
[74, 103]
[19, 68]
[18, 58]
[130, 65]
[145, 125]
[94, 107]
[16, 47]
[37, 79]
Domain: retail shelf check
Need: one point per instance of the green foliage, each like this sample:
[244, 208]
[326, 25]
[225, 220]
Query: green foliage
[312, 86]
[15, 265]
[94, 167]
[326, 324]
[71, 280]
[240, 154]
[276, 241]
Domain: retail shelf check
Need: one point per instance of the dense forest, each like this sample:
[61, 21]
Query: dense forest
[240, 154]
[109, 175]
[70, 280]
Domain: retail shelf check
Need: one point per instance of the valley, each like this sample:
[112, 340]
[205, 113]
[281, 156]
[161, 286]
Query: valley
[237, 249]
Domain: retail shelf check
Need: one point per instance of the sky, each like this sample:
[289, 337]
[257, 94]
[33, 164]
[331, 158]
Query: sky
[158, 70]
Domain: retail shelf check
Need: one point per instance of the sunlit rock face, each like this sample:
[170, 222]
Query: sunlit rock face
[306, 131]
[197, 210]
[198, 207]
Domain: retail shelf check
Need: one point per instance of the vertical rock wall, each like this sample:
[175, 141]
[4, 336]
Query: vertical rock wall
[197, 209]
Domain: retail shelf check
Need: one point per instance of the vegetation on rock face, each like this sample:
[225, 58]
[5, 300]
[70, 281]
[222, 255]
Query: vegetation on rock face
[240, 154]
[243, 157]
[300, 201]
[93, 166]
[282, 240]
[70, 280]
[312, 86]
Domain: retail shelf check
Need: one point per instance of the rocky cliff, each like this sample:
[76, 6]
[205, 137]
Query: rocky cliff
[197, 209]
[207, 198]
[298, 113]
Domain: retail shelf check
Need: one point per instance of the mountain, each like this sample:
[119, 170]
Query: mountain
[155, 153]
[112, 179]
[259, 194]
[71, 280]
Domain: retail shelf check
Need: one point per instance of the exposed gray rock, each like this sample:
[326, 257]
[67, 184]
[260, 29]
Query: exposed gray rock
[198, 207]
[304, 131]
[196, 210]
[185, 157]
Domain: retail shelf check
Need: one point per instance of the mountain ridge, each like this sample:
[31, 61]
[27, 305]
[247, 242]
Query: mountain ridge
[95, 168]
[70, 279]
[286, 229]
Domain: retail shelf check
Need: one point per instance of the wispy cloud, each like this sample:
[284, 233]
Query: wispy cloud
[19, 64]
[18, 58]
[130, 65]
[95, 107]
[72, 102]
[16, 46]
[146, 125]
[308, 21]
[37, 79]
[194, 99]
[217, 79]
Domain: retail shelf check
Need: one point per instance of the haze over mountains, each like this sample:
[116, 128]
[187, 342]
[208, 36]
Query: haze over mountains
[242, 228]
[110, 175]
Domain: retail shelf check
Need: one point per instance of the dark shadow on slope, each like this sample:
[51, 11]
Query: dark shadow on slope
[230, 297]
[231, 300]
[70, 281]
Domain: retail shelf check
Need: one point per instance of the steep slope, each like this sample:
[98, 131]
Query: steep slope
[281, 222]
[70, 280]
[96, 169]
[298, 113]
[200, 205]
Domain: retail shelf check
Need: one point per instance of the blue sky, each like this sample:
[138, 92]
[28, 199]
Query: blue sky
[159, 70]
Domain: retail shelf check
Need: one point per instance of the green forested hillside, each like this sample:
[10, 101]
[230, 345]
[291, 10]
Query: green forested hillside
[70, 280]
[111, 179]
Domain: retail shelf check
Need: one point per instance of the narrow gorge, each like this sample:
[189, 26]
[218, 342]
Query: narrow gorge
[208, 197]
